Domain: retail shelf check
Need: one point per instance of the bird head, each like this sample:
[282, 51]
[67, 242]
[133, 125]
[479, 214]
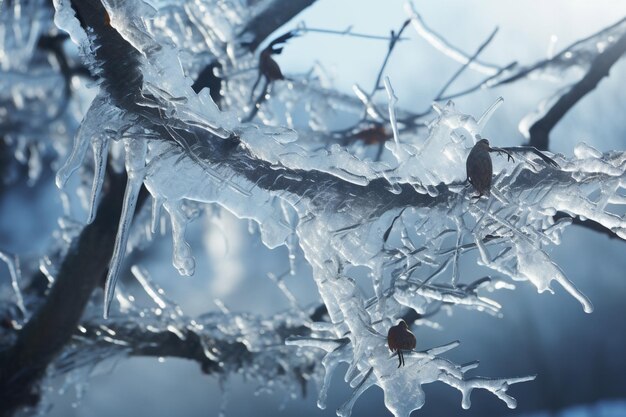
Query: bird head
[483, 143]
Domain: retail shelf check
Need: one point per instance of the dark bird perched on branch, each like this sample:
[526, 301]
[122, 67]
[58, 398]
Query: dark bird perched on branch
[268, 67]
[480, 169]
[400, 338]
[269, 70]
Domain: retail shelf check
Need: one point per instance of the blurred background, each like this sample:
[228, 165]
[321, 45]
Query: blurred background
[579, 358]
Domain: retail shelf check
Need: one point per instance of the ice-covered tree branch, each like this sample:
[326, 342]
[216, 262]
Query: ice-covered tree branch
[337, 205]
[600, 66]
[49, 329]
[407, 220]
[579, 54]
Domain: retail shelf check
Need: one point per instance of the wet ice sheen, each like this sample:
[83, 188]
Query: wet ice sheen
[407, 219]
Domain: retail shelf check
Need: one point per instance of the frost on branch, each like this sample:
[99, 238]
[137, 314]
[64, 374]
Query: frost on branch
[408, 220]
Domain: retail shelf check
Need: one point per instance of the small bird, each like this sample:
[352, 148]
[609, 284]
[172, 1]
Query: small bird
[269, 71]
[400, 338]
[268, 67]
[479, 167]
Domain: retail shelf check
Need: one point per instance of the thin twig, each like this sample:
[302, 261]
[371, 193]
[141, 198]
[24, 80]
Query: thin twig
[467, 64]
[367, 99]
[257, 104]
[392, 43]
[445, 47]
[482, 84]
[302, 28]
[495, 79]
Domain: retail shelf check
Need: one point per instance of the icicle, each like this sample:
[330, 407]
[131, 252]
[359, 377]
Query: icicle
[100, 147]
[81, 141]
[292, 247]
[13, 263]
[444, 47]
[225, 388]
[440, 350]
[48, 269]
[328, 345]
[280, 283]
[136, 150]
[142, 277]
[34, 164]
[398, 151]
[157, 203]
[455, 261]
[484, 118]
[497, 386]
[346, 409]
[330, 362]
[75, 160]
[182, 258]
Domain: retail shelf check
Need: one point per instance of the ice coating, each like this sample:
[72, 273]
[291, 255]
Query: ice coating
[407, 220]
[442, 45]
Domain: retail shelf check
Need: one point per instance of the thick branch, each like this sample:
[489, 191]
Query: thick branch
[164, 343]
[569, 56]
[45, 334]
[540, 131]
[271, 18]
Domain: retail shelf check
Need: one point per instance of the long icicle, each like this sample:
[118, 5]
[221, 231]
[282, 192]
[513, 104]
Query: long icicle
[136, 150]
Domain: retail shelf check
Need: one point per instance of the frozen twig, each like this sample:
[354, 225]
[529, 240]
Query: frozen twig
[302, 29]
[573, 55]
[466, 65]
[393, 40]
[444, 46]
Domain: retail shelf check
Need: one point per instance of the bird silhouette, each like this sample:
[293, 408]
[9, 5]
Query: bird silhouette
[400, 338]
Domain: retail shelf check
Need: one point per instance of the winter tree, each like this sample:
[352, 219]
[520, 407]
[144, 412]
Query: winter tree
[155, 115]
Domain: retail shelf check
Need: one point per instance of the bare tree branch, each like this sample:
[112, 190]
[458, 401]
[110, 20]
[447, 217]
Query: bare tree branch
[466, 65]
[137, 341]
[600, 66]
[393, 40]
[51, 327]
[273, 17]
[569, 56]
